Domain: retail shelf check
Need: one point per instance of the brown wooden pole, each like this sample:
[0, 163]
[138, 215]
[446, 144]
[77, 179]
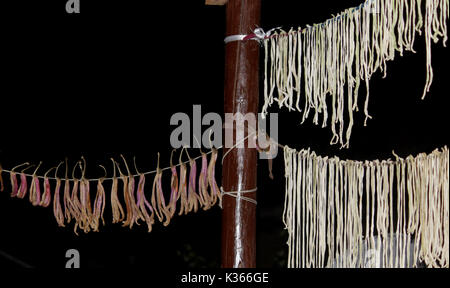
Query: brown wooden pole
[239, 166]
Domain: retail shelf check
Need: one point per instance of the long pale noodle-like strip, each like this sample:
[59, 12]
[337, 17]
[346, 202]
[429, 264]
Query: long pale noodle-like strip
[318, 70]
[390, 213]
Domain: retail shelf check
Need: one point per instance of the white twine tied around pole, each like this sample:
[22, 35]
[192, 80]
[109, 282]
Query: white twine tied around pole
[257, 35]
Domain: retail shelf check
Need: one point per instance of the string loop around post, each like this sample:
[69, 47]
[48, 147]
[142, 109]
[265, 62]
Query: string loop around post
[238, 195]
[257, 35]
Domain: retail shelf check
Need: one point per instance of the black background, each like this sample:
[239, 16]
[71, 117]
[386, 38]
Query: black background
[107, 81]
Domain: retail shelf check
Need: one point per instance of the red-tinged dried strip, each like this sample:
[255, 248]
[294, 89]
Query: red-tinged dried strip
[85, 201]
[214, 188]
[144, 204]
[192, 191]
[57, 211]
[155, 195]
[203, 184]
[162, 202]
[76, 204]
[137, 215]
[88, 201]
[23, 188]
[117, 210]
[46, 197]
[128, 219]
[99, 207]
[13, 180]
[182, 191]
[66, 197]
[67, 201]
[85, 219]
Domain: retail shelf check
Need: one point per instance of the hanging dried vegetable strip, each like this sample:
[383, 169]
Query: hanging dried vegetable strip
[57, 211]
[68, 210]
[13, 180]
[85, 201]
[203, 184]
[46, 197]
[133, 212]
[117, 210]
[193, 197]
[182, 191]
[99, 204]
[23, 188]
[35, 189]
[159, 204]
[76, 204]
[214, 188]
[174, 196]
[143, 203]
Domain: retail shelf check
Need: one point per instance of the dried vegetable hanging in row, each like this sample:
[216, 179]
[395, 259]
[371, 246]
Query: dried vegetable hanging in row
[187, 193]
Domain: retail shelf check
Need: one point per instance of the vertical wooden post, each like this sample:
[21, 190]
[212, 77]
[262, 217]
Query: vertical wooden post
[239, 167]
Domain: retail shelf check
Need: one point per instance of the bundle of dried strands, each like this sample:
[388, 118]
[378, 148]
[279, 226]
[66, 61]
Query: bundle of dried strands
[87, 216]
[307, 70]
[367, 214]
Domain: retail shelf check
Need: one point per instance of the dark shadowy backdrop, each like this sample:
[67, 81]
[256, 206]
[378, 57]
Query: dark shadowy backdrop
[107, 81]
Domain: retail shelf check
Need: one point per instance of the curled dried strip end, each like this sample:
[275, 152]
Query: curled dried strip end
[35, 189]
[133, 212]
[57, 211]
[142, 202]
[174, 196]
[99, 205]
[214, 188]
[13, 180]
[203, 184]
[117, 210]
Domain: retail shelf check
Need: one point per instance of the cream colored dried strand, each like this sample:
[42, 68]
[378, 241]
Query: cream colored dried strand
[428, 36]
[325, 54]
[298, 77]
[320, 189]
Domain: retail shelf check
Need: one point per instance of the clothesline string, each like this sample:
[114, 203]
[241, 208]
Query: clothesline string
[112, 178]
[364, 163]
